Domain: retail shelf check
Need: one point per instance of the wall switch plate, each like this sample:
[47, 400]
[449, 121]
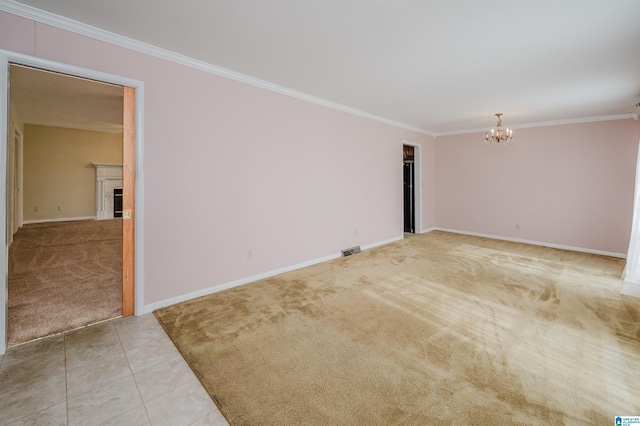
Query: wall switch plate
[126, 214]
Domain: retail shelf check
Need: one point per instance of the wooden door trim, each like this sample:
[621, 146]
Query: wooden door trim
[128, 201]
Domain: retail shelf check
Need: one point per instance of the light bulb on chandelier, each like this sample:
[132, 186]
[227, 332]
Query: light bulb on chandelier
[499, 135]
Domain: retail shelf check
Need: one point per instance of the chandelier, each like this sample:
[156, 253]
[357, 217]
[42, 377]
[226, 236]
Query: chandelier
[499, 135]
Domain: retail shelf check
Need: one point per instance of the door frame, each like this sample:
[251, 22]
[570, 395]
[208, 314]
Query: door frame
[136, 270]
[18, 151]
[14, 181]
[417, 185]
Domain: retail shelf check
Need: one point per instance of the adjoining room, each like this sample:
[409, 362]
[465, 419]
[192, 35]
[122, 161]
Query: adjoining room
[65, 238]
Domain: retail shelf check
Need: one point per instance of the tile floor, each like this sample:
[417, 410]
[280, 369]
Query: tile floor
[121, 372]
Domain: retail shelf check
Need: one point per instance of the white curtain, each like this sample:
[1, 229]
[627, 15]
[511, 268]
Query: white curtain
[631, 272]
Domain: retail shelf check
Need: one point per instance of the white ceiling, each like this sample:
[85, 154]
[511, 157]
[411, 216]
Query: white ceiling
[440, 66]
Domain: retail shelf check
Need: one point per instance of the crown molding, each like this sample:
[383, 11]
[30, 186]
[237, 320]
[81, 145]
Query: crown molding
[86, 30]
[83, 29]
[544, 124]
[636, 113]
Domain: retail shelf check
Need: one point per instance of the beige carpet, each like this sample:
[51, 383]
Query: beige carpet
[435, 329]
[63, 275]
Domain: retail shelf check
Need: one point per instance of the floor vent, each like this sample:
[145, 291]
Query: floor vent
[350, 251]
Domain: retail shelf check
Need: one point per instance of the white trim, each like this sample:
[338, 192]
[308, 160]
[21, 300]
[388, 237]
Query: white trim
[630, 289]
[59, 219]
[4, 255]
[33, 61]
[7, 57]
[139, 201]
[13, 180]
[20, 154]
[535, 243]
[148, 49]
[433, 228]
[543, 124]
[182, 298]
[382, 243]
[108, 166]
[14, 183]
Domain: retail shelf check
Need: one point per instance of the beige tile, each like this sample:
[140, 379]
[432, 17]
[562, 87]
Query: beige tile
[155, 352]
[89, 344]
[164, 377]
[109, 368]
[99, 381]
[52, 416]
[44, 353]
[142, 334]
[215, 418]
[32, 363]
[183, 406]
[135, 417]
[104, 403]
[24, 401]
[17, 378]
[90, 333]
[132, 323]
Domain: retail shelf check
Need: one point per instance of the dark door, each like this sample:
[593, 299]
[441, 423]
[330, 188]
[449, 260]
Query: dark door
[409, 202]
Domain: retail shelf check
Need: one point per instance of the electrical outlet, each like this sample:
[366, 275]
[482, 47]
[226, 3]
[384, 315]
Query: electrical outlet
[249, 254]
[517, 226]
[59, 208]
[36, 208]
[356, 232]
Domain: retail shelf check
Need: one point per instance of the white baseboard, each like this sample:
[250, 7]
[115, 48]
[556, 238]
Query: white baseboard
[536, 243]
[172, 301]
[183, 298]
[382, 243]
[630, 289]
[424, 231]
[59, 219]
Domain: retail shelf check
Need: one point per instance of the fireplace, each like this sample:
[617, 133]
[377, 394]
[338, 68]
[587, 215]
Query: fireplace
[108, 191]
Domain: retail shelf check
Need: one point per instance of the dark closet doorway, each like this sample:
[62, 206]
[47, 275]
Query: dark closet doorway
[409, 202]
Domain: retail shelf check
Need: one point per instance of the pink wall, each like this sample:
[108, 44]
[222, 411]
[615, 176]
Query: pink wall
[250, 169]
[569, 185]
[428, 163]
[291, 180]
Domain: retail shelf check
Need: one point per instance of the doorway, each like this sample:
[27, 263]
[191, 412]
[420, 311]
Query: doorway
[65, 267]
[132, 145]
[412, 188]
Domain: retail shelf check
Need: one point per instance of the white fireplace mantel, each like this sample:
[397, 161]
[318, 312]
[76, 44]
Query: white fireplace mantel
[108, 178]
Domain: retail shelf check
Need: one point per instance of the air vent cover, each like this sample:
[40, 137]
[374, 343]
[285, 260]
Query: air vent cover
[350, 251]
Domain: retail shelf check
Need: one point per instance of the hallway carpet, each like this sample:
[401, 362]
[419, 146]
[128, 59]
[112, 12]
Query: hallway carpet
[63, 275]
[435, 329]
